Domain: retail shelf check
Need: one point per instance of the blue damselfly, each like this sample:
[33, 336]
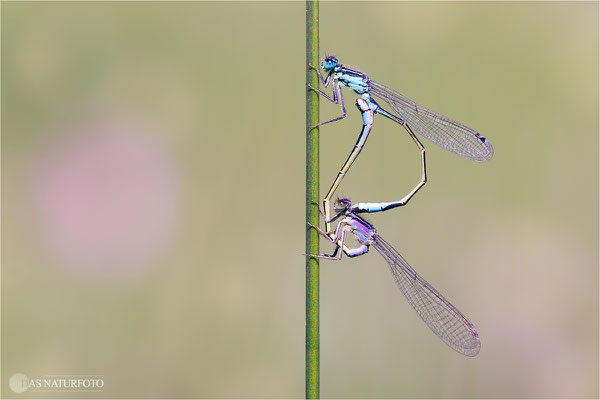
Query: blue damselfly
[441, 130]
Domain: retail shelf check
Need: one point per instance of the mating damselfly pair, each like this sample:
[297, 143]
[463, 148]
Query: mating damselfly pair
[445, 320]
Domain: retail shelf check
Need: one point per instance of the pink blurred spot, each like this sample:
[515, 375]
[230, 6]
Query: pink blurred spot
[108, 195]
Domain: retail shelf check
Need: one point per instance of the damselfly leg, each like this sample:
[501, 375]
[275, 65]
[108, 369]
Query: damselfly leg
[338, 97]
[338, 238]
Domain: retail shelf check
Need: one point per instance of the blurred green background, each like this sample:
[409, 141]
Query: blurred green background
[153, 198]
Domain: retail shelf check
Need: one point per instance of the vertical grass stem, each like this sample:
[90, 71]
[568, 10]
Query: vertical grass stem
[312, 200]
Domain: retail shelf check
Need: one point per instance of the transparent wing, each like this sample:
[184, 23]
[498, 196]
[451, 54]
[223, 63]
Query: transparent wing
[446, 133]
[439, 314]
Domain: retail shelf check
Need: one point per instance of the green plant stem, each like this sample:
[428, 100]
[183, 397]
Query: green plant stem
[312, 201]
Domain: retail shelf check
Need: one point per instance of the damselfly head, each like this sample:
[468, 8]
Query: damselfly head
[329, 63]
[342, 205]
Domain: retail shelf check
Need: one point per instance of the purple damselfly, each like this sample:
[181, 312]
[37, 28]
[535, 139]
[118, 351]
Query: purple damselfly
[445, 320]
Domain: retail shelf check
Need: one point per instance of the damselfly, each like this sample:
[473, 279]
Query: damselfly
[441, 130]
[445, 320]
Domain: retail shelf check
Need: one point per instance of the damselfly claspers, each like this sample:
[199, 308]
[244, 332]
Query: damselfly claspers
[443, 131]
[445, 320]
